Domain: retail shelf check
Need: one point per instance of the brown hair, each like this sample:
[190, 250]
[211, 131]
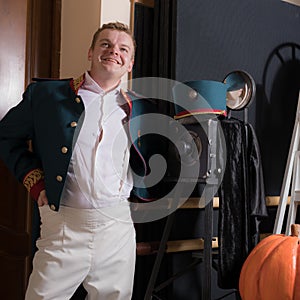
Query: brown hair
[114, 26]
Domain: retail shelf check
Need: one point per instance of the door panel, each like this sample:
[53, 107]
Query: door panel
[14, 211]
[29, 47]
[13, 16]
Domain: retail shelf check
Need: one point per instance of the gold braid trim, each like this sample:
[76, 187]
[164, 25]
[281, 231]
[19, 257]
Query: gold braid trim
[32, 178]
[77, 82]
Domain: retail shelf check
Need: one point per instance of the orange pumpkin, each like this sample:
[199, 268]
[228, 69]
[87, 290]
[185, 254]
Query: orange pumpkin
[272, 269]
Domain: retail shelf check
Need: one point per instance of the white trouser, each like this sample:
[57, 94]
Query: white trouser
[95, 247]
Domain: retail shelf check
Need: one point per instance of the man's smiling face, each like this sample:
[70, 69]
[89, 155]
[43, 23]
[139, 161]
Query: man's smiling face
[112, 54]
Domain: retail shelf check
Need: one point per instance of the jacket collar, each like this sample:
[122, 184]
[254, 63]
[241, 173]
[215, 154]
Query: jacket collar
[76, 83]
[127, 106]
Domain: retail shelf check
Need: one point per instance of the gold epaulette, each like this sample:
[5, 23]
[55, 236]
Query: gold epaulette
[32, 178]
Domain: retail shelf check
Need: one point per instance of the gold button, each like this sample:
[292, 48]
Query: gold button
[52, 207]
[73, 124]
[77, 99]
[193, 94]
[59, 178]
[64, 150]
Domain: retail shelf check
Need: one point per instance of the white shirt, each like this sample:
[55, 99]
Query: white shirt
[99, 173]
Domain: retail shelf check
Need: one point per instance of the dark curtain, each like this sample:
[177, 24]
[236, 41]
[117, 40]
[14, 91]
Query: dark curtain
[153, 30]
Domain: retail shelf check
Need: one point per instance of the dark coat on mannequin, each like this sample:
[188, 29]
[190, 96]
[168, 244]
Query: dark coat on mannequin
[242, 200]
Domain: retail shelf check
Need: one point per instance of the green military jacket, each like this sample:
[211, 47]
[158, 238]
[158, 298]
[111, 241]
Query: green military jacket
[50, 116]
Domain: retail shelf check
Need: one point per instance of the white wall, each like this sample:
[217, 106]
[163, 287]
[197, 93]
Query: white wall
[80, 19]
[296, 2]
[115, 10]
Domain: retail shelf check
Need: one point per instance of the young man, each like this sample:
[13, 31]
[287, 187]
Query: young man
[78, 173]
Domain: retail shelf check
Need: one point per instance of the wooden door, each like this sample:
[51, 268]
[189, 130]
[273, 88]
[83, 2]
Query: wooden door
[29, 47]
